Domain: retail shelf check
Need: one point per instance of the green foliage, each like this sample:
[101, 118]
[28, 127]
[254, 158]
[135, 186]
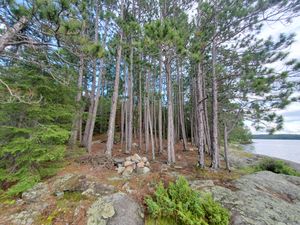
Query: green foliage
[180, 203]
[276, 166]
[241, 135]
[32, 135]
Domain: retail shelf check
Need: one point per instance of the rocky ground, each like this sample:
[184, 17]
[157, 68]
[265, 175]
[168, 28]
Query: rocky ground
[94, 190]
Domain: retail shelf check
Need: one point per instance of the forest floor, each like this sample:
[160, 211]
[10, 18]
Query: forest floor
[101, 170]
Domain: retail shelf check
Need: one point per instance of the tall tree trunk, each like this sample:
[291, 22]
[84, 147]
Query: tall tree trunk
[181, 111]
[122, 124]
[214, 138]
[160, 129]
[149, 121]
[140, 111]
[112, 118]
[89, 128]
[130, 103]
[226, 147]
[77, 119]
[98, 90]
[171, 152]
[146, 124]
[200, 112]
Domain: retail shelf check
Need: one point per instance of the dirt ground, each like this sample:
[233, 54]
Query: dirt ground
[102, 169]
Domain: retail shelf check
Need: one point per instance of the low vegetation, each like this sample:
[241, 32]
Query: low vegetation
[179, 204]
[276, 166]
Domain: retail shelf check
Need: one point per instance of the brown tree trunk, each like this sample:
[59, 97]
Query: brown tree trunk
[11, 32]
[160, 129]
[130, 103]
[171, 152]
[181, 111]
[214, 138]
[112, 118]
[77, 120]
[140, 111]
[200, 116]
[226, 147]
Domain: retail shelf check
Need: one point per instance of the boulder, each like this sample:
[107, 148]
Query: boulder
[36, 193]
[115, 209]
[70, 182]
[29, 215]
[128, 158]
[99, 212]
[144, 159]
[199, 184]
[140, 165]
[128, 163]
[262, 198]
[136, 158]
[127, 211]
[128, 171]
[120, 169]
[143, 170]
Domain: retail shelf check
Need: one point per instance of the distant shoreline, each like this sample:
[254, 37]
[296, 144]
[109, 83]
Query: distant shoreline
[277, 136]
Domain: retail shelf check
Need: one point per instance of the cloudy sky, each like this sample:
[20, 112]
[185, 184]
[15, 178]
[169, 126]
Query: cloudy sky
[292, 113]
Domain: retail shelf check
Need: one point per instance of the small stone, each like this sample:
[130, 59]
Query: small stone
[128, 158]
[59, 194]
[136, 158]
[135, 145]
[144, 159]
[128, 163]
[128, 171]
[178, 167]
[147, 164]
[140, 164]
[89, 193]
[143, 170]
[191, 149]
[121, 169]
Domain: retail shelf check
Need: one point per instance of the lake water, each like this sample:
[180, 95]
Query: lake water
[283, 149]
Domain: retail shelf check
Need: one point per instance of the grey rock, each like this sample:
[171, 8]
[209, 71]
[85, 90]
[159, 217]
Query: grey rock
[29, 215]
[199, 184]
[262, 198]
[36, 193]
[70, 182]
[99, 212]
[115, 209]
[127, 211]
[143, 170]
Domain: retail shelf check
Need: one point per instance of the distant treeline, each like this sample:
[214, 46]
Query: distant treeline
[277, 136]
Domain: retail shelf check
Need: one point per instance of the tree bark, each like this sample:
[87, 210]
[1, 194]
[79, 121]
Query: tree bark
[181, 111]
[226, 147]
[130, 103]
[160, 137]
[140, 111]
[12, 32]
[77, 120]
[171, 152]
[200, 116]
[214, 139]
[112, 118]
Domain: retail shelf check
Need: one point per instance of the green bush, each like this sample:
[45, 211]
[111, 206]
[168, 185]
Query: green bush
[28, 157]
[180, 203]
[33, 135]
[276, 166]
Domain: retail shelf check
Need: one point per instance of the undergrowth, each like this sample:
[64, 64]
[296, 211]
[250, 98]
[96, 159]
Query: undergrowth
[179, 204]
[275, 166]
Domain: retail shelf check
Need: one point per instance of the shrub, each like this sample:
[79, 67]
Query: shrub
[26, 159]
[276, 166]
[180, 203]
